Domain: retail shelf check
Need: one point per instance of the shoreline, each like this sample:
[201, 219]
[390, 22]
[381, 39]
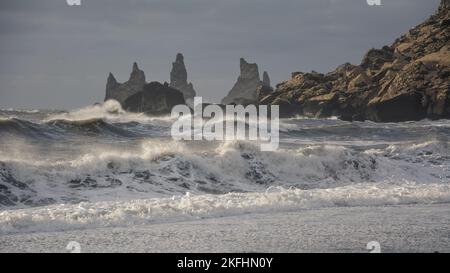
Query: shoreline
[403, 228]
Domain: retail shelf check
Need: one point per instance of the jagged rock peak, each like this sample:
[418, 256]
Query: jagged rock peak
[248, 70]
[244, 90]
[178, 78]
[266, 79]
[111, 79]
[179, 58]
[121, 91]
[137, 74]
[178, 75]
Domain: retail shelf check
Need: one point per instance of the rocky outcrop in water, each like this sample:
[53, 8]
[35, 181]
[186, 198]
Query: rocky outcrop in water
[408, 80]
[178, 78]
[244, 90]
[121, 91]
[154, 99]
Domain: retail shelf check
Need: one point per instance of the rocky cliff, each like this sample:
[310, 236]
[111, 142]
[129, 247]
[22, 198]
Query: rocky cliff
[244, 90]
[408, 80]
[178, 78]
[121, 91]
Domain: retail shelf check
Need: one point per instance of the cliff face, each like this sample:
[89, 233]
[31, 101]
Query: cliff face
[178, 78]
[408, 80]
[244, 90]
[121, 91]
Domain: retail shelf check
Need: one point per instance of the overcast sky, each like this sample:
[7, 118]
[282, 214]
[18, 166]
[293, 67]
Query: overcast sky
[56, 56]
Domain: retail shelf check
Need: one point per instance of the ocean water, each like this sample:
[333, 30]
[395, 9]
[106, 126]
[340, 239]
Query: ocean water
[103, 167]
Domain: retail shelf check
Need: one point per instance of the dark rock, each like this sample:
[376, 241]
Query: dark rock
[155, 99]
[244, 90]
[407, 106]
[375, 58]
[121, 91]
[264, 89]
[266, 79]
[178, 78]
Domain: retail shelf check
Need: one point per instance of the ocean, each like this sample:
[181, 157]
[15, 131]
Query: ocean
[103, 167]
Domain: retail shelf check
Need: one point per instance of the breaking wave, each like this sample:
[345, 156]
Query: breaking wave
[159, 168]
[102, 166]
[109, 111]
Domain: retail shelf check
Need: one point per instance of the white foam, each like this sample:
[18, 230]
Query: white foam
[191, 207]
[27, 111]
[110, 110]
[177, 167]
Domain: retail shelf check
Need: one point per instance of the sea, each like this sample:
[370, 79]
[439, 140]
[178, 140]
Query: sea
[100, 166]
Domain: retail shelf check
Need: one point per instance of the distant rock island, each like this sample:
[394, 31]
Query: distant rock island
[136, 95]
[408, 80]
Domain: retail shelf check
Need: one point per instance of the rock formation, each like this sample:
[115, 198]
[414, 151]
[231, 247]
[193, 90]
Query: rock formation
[266, 79]
[244, 90]
[264, 89]
[136, 95]
[154, 99]
[178, 78]
[121, 91]
[408, 80]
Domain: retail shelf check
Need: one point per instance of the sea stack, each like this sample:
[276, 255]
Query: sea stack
[244, 90]
[178, 78]
[121, 91]
[266, 79]
[135, 95]
[264, 89]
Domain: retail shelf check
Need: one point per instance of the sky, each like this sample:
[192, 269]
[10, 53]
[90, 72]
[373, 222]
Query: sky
[56, 56]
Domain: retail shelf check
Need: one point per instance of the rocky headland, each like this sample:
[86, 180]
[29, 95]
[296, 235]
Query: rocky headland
[408, 80]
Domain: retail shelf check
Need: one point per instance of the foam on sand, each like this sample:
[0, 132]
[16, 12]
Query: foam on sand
[190, 207]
